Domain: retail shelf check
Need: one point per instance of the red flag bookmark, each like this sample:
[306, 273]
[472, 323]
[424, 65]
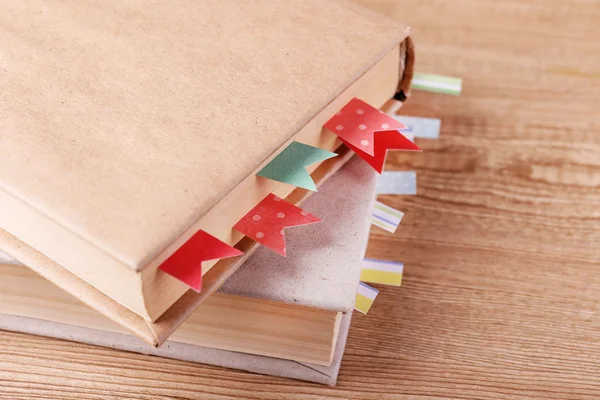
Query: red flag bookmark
[186, 263]
[265, 222]
[384, 141]
[369, 132]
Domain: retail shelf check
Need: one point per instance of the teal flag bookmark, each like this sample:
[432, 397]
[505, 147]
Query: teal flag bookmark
[289, 166]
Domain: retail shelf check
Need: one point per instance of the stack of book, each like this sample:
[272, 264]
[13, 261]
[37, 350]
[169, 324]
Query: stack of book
[163, 168]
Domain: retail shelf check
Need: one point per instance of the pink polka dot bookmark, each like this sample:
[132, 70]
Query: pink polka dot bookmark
[265, 223]
[369, 132]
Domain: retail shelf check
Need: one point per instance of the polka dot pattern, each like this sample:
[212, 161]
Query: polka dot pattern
[273, 214]
[357, 123]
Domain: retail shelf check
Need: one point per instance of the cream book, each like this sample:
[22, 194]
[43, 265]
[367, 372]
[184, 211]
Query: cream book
[127, 128]
[286, 308]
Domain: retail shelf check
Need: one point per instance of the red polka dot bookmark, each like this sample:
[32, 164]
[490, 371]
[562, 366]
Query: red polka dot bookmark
[265, 222]
[369, 132]
[186, 263]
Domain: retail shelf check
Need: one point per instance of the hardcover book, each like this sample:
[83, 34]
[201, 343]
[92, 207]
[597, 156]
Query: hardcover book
[129, 127]
[286, 316]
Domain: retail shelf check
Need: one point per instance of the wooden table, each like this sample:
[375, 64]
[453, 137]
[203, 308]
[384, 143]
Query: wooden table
[501, 245]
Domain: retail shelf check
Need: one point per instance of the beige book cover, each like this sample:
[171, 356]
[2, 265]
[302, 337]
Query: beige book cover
[128, 126]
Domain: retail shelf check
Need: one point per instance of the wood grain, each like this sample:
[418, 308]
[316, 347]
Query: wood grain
[500, 297]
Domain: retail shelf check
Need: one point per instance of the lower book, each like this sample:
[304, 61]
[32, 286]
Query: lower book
[278, 316]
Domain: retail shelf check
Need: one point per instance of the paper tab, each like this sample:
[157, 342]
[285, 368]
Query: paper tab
[186, 263]
[380, 271]
[289, 166]
[437, 83]
[425, 128]
[265, 223]
[365, 296]
[386, 217]
[397, 182]
[369, 132]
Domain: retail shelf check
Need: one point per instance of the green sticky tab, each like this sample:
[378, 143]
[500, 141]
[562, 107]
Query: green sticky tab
[289, 166]
[437, 83]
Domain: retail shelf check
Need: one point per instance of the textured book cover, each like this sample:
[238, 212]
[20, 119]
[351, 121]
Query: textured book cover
[129, 127]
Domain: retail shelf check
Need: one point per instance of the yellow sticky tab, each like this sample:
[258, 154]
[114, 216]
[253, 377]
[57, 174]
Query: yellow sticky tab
[382, 271]
[363, 304]
[365, 296]
[383, 277]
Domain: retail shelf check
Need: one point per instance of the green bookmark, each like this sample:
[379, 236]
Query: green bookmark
[289, 166]
[437, 83]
